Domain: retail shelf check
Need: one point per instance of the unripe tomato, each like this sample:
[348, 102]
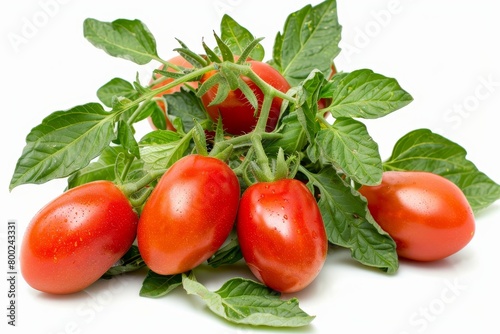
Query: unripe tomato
[189, 214]
[179, 61]
[281, 234]
[72, 241]
[427, 215]
[238, 115]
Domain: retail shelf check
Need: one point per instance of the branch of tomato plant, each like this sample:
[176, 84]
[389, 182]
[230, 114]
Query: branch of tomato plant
[129, 188]
[138, 201]
[242, 168]
[129, 159]
[266, 88]
[138, 111]
[181, 80]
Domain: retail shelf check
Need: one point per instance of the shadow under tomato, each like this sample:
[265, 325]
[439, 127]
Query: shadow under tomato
[55, 297]
[463, 258]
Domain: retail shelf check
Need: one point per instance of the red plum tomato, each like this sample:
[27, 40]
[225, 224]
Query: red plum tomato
[238, 115]
[427, 215]
[281, 234]
[73, 240]
[189, 214]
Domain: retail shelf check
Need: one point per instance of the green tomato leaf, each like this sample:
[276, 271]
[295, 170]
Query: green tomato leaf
[104, 168]
[63, 143]
[309, 41]
[126, 138]
[243, 301]
[224, 49]
[307, 96]
[158, 117]
[148, 109]
[159, 137]
[424, 150]
[293, 138]
[364, 94]
[161, 148]
[114, 89]
[156, 285]
[237, 38]
[127, 39]
[348, 146]
[131, 261]
[187, 106]
[228, 254]
[349, 224]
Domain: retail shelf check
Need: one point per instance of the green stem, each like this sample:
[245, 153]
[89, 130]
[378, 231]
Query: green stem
[322, 119]
[242, 140]
[304, 171]
[266, 88]
[244, 164]
[139, 201]
[265, 173]
[149, 95]
[260, 127]
[130, 188]
[126, 168]
[137, 112]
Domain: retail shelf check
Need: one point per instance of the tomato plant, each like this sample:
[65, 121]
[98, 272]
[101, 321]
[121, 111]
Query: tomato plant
[238, 115]
[72, 241]
[427, 215]
[178, 61]
[281, 234]
[297, 119]
[189, 214]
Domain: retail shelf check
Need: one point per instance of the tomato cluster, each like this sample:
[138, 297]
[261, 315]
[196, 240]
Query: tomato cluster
[78, 236]
[196, 204]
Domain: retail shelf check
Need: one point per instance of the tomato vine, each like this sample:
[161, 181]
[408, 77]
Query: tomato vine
[323, 144]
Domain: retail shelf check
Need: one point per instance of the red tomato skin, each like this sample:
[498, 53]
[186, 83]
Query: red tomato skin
[427, 215]
[189, 214]
[179, 61]
[236, 112]
[281, 234]
[73, 240]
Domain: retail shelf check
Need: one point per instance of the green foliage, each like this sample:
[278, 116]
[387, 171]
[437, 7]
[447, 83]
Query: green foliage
[330, 146]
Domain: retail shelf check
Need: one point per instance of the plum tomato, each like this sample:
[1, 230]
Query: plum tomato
[179, 61]
[73, 240]
[427, 215]
[281, 234]
[238, 115]
[189, 214]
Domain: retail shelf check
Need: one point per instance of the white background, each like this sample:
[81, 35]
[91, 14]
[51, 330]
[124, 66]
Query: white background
[445, 53]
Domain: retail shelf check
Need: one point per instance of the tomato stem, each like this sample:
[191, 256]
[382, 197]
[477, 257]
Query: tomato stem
[261, 168]
[128, 163]
[241, 170]
[149, 95]
[320, 116]
[129, 188]
[137, 202]
[138, 111]
[266, 88]
[260, 127]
